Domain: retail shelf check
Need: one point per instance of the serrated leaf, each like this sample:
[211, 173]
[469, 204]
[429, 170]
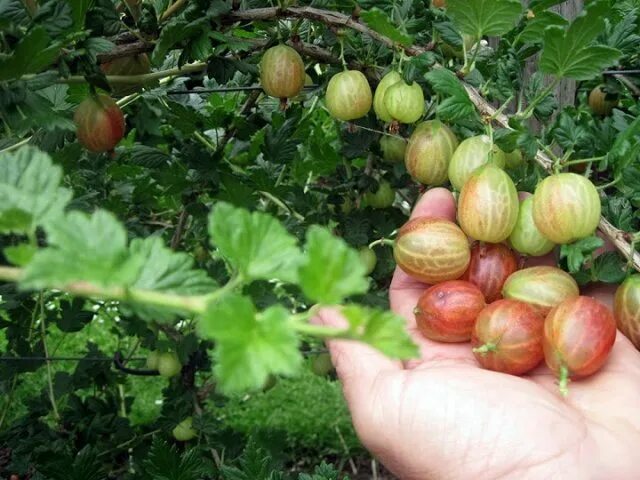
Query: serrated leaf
[163, 462]
[610, 267]
[383, 330]
[456, 104]
[21, 254]
[73, 316]
[165, 271]
[83, 248]
[34, 52]
[331, 270]
[535, 27]
[148, 157]
[570, 52]
[579, 252]
[250, 345]
[175, 31]
[255, 244]
[30, 192]
[379, 21]
[484, 17]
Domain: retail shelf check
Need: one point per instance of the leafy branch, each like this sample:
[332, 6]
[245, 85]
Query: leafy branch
[90, 256]
[599, 54]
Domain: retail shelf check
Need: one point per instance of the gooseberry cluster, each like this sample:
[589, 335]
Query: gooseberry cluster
[514, 318]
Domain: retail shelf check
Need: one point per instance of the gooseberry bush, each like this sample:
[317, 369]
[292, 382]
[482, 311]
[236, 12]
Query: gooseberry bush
[196, 180]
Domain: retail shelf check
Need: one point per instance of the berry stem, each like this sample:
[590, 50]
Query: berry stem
[563, 381]
[486, 348]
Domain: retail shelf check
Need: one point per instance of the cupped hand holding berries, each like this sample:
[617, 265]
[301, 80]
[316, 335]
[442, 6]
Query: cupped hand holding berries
[443, 416]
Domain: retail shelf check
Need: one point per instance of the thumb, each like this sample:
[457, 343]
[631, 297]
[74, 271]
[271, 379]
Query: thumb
[358, 365]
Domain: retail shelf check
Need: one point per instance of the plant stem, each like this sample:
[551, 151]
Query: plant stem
[15, 145]
[610, 184]
[172, 9]
[529, 110]
[43, 333]
[486, 348]
[583, 160]
[282, 205]
[381, 241]
[563, 381]
[320, 331]
[134, 79]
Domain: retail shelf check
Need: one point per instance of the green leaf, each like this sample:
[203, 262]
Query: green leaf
[165, 271]
[332, 271]
[484, 17]
[73, 316]
[534, 29]
[33, 53]
[163, 462]
[381, 329]
[21, 254]
[83, 248]
[250, 345]
[579, 252]
[570, 52]
[30, 192]
[610, 267]
[379, 21]
[255, 244]
[79, 8]
[176, 31]
[456, 104]
[540, 5]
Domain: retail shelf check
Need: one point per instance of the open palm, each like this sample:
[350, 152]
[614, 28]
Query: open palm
[443, 417]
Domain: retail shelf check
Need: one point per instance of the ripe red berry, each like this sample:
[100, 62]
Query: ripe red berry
[100, 123]
[447, 312]
[578, 337]
[490, 266]
[507, 337]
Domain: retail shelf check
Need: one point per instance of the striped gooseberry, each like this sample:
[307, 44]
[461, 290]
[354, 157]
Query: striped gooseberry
[507, 337]
[429, 152]
[99, 123]
[579, 334]
[542, 287]
[447, 311]
[566, 207]
[348, 95]
[488, 205]
[404, 102]
[626, 309]
[471, 154]
[490, 266]
[282, 72]
[378, 98]
[526, 238]
[432, 250]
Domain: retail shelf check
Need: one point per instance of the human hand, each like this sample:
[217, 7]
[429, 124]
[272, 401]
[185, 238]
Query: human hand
[444, 417]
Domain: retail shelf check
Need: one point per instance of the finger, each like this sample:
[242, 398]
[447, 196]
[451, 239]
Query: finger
[358, 365]
[437, 202]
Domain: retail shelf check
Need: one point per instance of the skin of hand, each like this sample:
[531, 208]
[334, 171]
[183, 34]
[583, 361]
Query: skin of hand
[444, 417]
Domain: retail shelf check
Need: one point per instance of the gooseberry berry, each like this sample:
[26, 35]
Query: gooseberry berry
[507, 337]
[432, 250]
[404, 102]
[490, 266]
[348, 95]
[566, 207]
[282, 72]
[429, 152]
[378, 98]
[525, 237]
[579, 334]
[447, 311]
[488, 205]
[99, 123]
[542, 287]
[627, 309]
[168, 364]
[471, 154]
